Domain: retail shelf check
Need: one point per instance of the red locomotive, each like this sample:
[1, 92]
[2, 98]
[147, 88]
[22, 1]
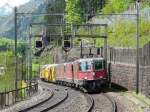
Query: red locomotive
[89, 73]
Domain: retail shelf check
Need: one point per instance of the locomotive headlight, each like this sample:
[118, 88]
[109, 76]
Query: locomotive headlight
[101, 77]
[93, 73]
[85, 78]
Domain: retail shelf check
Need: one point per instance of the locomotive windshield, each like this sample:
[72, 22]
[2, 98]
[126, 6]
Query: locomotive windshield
[98, 65]
[85, 66]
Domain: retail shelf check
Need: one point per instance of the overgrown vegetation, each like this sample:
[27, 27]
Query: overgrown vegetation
[7, 60]
[38, 62]
[139, 99]
[124, 34]
[118, 6]
[76, 9]
[7, 80]
[114, 6]
[5, 41]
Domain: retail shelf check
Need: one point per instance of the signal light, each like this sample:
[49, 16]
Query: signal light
[67, 43]
[39, 44]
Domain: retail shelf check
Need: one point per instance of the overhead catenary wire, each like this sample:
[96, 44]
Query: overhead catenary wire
[41, 14]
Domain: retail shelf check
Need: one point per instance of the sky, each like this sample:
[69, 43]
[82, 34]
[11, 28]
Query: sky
[12, 3]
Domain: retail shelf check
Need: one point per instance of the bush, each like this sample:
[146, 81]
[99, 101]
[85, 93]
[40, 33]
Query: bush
[114, 6]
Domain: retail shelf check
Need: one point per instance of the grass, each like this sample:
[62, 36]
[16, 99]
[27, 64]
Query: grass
[139, 99]
[7, 81]
[35, 70]
[5, 41]
[45, 59]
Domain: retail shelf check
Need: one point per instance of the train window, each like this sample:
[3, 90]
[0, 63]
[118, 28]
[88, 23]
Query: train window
[88, 65]
[82, 66]
[85, 66]
[98, 65]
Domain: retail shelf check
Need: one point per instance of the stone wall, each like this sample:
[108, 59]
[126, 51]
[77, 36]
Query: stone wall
[125, 75]
[145, 80]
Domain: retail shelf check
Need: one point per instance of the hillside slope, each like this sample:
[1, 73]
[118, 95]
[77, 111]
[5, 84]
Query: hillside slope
[33, 6]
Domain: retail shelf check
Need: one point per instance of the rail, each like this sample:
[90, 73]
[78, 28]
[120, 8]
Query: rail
[90, 101]
[9, 98]
[114, 105]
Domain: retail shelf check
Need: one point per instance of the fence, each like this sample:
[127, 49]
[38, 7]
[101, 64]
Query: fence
[11, 97]
[129, 55]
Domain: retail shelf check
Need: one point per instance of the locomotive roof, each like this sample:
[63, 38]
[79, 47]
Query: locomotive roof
[90, 59]
[67, 63]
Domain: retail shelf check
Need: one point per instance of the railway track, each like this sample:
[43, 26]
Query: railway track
[58, 96]
[66, 99]
[101, 103]
[114, 105]
[76, 102]
[90, 101]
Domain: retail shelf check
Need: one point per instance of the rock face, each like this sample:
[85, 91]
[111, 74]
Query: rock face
[33, 6]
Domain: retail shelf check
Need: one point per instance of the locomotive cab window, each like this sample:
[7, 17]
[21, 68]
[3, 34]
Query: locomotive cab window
[98, 65]
[85, 66]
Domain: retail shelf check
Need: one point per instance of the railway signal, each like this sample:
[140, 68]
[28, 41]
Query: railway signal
[38, 44]
[67, 43]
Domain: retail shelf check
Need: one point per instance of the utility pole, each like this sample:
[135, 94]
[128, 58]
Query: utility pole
[137, 47]
[30, 56]
[81, 54]
[16, 57]
[105, 45]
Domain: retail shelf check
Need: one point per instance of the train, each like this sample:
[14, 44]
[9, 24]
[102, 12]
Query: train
[88, 74]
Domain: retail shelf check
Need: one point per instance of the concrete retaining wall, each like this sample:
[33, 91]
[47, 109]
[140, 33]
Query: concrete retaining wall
[125, 75]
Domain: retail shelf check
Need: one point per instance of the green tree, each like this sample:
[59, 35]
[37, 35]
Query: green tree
[77, 9]
[73, 10]
[114, 6]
